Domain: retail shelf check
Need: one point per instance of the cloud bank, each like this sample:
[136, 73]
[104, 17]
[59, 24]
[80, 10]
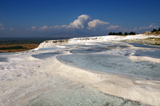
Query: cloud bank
[96, 23]
[151, 26]
[84, 25]
[83, 22]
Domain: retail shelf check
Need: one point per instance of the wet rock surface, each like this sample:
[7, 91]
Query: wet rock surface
[80, 96]
[81, 74]
[3, 59]
[45, 55]
[112, 64]
[153, 54]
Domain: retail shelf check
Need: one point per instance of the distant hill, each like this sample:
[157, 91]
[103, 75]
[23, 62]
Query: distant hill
[71, 34]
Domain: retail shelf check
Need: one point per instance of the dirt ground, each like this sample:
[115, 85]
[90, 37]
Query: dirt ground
[16, 47]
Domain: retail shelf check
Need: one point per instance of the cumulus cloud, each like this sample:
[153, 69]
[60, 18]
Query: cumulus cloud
[85, 23]
[44, 28]
[81, 22]
[63, 26]
[33, 27]
[57, 27]
[113, 27]
[95, 23]
[1, 27]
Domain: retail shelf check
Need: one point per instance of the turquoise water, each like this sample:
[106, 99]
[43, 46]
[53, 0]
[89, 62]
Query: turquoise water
[144, 46]
[153, 54]
[3, 59]
[45, 55]
[80, 96]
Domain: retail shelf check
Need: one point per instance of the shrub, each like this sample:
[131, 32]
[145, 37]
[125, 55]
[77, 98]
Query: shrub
[120, 33]
[110, 33]
[132, 33]
[125, 33]
[154, 30]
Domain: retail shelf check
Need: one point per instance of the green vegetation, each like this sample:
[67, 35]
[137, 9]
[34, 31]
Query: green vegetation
[10, 41]
[155, 30]
[21, 44]
[120, 33]
[155, 41]
[152, 41]
[126, 33]
[132, 33]
[18, 44]
[13, 47]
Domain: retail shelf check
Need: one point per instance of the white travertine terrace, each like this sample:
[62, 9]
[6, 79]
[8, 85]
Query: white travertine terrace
[52, 43]
[82, 71]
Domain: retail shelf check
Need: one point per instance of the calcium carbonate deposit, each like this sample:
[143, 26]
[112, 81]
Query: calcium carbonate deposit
[93, 71]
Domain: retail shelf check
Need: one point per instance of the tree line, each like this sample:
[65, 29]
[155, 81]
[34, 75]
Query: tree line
[120, 33]
[130, 33]
[155, 30]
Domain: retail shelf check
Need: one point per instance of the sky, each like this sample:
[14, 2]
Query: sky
[72, 18]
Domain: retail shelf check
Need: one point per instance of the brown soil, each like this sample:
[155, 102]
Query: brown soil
[25, 47]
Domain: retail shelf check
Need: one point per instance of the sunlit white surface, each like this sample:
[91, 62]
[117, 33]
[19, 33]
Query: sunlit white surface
[117, 73]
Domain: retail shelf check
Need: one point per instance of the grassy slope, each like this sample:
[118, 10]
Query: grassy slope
[152, 41]
[16, 45]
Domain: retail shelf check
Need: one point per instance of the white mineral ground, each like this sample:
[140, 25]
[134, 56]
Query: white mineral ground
[90, 72]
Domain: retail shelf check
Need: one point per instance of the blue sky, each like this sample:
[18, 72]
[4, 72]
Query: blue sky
[69, 18]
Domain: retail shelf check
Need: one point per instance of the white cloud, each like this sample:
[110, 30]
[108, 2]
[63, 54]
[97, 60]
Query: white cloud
[33, 27]
[95, 23]
[140, 29]
[81, 22]
[135, 29]
[57, 27]
[113, 27]
[84, 22]
[1, 27]
[11, 29]
[64, 26]
[151, 26]
[44, 28]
